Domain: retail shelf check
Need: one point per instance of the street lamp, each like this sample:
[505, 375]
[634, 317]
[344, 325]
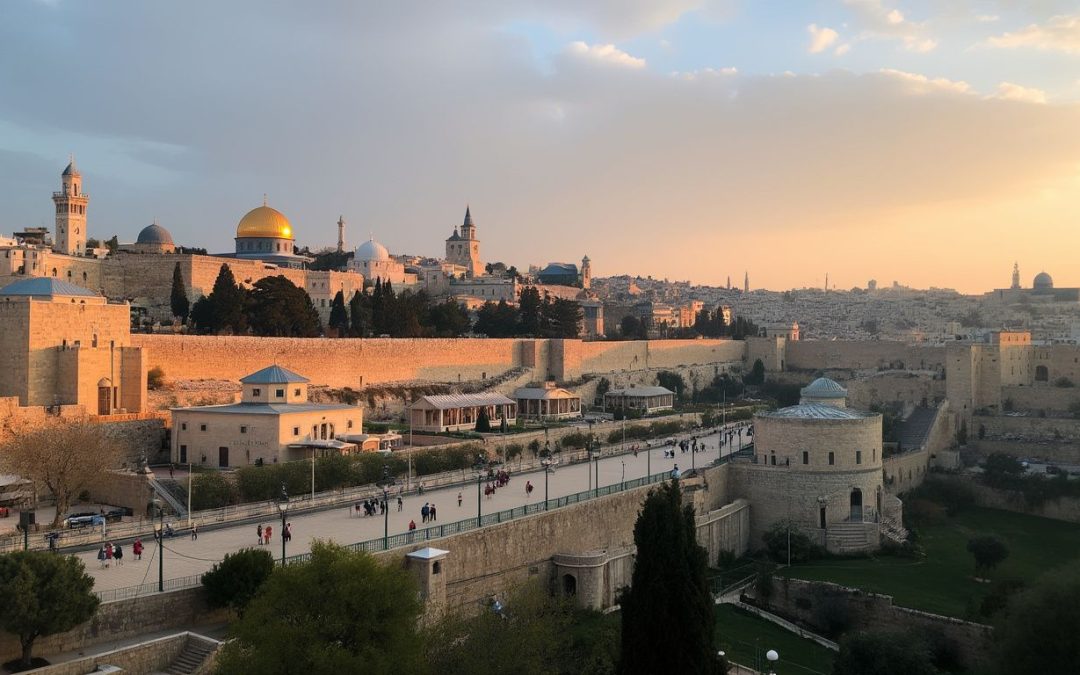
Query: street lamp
[386, 518]
[596, 463]
[159, 532]
[479, 482]
[546, 463]
[772, 657]
[283, 508]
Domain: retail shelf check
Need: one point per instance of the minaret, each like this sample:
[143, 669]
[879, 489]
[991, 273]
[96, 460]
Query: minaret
[1016, 276]
[586, 272]
[70, 213]
[341, 234]
[729, 282]
[746, 282]
[826, 281]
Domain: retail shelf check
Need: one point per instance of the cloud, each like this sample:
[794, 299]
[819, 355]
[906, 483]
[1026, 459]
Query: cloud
[921, 84]
[820, 38]
[842, 49]
[606, 54]
[880, 22]
[1060, 33]
[1016, 92]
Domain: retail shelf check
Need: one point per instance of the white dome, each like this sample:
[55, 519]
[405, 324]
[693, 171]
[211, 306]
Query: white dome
[371, 250]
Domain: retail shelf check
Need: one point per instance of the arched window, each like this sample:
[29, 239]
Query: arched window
[569, 584]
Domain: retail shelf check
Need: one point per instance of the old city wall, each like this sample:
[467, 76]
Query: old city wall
[1054, 452]
[862, 355]
[606, 357]
[909, 388]
[808, 602]
[906, 470]
[338, 363]
[125, 619]
[1004, 427]
[1054, 400]
[1065, 508]
[152, 656]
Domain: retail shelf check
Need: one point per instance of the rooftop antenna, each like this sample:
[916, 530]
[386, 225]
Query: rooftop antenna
[264, 199]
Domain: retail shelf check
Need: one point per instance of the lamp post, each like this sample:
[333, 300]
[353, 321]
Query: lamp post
[479, 482]
[622, 478]
[772, 656]
[596, 463]
[283, 508]
[160, 532]
[313, 476]
[546, 463]
[386, 518]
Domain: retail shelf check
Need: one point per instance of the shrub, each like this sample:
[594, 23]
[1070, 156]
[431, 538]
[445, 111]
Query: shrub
[211, 490]
[155, 378]
[575, 439]
[234, 581]
[778, 537]
[952, 493]
[988, 553]
[1063, 382]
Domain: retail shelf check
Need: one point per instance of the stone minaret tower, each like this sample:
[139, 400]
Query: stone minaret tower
[746, 282]
[70, 213]
[586, 273]
[464, 249]
[1016, 276]
[340, 234]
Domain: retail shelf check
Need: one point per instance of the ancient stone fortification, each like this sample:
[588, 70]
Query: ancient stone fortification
[862, 355]
[812, 603]
[359, 362]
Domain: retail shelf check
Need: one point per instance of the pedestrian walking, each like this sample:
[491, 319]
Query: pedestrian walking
[287, 532]
[194, 531]
[108, 554]
[101, 556]
[431, 513]
[528, 489]
[118, 555]
[260, 534]
[459, 500]
[412, 525]
[267, 534]
[137, 548]
[425, 511]
[399, 503]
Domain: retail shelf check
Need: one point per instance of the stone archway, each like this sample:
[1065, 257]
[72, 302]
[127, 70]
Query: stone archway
[1042, 374]
[569, 585]
[856, 505]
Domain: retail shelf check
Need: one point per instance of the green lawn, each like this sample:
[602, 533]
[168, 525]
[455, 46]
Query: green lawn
[743, 635]
[942, 583]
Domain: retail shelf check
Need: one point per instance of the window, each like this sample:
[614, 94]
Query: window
[256, 392]
[243, 429]
[202, 427]
[296, 431]
[858, 456]
[873, 455]
[805, 457]
[348, 425]
[773, 460]
[280, 393]
[183, 426]
[832, 459]
[296, 392]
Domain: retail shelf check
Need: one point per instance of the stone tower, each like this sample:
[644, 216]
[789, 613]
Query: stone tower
[464, 249]
[341, 234]
[1016, 276]
[70, 213]
[586, 273]
[746, 282]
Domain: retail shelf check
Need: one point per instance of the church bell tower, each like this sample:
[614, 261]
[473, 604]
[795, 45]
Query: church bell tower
[70, 213]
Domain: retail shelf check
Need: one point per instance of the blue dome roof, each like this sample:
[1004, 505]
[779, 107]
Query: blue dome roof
[154, 234]
[823, 387]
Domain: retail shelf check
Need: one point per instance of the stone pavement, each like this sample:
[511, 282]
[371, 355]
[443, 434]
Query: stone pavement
[185, 557]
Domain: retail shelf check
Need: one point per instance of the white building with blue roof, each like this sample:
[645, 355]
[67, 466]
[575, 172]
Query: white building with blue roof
[273, 422]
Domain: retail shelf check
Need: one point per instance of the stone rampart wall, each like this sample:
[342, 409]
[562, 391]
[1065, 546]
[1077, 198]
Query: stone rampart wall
[125, 619]
[147, 657]
[908, 388]
[1066, 508]
[1055, 452]
[806, 601]
[862, 355]
[1054, 400]
[1004, 427]
[906, 471]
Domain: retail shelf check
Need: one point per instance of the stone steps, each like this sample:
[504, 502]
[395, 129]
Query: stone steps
[191, 659]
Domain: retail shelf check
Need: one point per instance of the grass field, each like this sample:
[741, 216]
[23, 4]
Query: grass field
[742, 636]
[942, 583]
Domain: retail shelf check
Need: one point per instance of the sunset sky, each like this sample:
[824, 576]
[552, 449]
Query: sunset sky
[929, 142]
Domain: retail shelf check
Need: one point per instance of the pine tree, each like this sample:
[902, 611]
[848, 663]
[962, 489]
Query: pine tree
[483, 422]
[279, 308]
[669, 590]
[359, 314]
[222, 310]
[178, 299]
[339, 316]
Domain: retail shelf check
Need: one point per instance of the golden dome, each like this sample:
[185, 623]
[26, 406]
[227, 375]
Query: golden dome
[264, 222]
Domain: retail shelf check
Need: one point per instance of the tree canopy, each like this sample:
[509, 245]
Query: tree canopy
[668, 616]
[884, 653]
[342, 612]
[178, 299]
[988, 552]
[1037, 633]
[223, 310]
[279, 308]
[42, 594]
[234, 581]
[339, 316]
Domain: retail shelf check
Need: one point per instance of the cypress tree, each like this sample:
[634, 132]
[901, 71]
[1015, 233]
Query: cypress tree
[178, 299]
[359, 314]
[339, 316]
[668, 618]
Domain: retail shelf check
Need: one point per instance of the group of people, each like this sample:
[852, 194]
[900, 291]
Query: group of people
[427, 512]
[265, 533]
[111, 552]
[372, 506]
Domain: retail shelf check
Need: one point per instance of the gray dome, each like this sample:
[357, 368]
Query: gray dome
[371, 251]
[824, 388]
[1043, 280]
[154, 234]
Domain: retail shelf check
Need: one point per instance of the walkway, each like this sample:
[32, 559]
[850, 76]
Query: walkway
[184, 557]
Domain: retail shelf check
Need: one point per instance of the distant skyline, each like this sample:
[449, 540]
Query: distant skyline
[929, 142]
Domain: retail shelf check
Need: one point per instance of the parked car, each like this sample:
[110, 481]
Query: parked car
[1051, 469]
[83, 519]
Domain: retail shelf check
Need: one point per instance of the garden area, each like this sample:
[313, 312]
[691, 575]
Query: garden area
[745, 638]
[943, 582]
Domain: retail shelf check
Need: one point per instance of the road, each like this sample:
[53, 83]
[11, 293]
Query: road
[185, 557]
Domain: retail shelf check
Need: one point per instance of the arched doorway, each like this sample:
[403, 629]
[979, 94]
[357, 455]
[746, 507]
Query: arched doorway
[569, 585]
[856, 505]
[104, 396]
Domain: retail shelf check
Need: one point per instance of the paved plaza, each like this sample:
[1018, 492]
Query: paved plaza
[185, 557]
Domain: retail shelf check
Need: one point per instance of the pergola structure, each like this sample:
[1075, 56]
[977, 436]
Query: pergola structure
[458, 412]
[645, 399]
[547, 403]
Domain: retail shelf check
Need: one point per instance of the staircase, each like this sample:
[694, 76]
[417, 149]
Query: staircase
[846, 538]
[174, 495]
[191, 660]
[916, 428]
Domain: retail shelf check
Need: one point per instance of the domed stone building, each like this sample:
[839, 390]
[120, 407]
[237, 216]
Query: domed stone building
[1043, 282]
[266, 234]
[152, 239]
[373, 261]
[818, 464]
